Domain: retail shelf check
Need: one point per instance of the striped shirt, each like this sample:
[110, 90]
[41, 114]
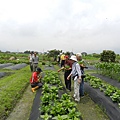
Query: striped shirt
[76, 69]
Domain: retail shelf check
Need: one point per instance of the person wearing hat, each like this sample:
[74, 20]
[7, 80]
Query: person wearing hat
[35, 80]
[76, 74]
[67, 70]
[82, 66]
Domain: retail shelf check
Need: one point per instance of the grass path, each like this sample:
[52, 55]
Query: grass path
[23, 107]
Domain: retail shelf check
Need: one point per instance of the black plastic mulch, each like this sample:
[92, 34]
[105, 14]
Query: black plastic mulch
[108, 80]
[110, 108]
[16, 67]
[35, 113]
[5, 65]
[2, 74]
[49, 68]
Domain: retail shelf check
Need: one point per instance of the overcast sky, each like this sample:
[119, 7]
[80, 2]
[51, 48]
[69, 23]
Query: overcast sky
[69, 25]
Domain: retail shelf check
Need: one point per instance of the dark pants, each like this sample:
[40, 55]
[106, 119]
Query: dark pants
[31, 66]
[67, 82]
[62, 63]
[36, 84]
[81, 90]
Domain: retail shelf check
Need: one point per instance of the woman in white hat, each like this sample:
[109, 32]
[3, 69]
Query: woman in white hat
[76, 74]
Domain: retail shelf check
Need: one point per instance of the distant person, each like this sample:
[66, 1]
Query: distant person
[62, 58]
[35, 61]
[76, 74]
[30, 57]
[35, 80]
[67, 70]
[58, 59]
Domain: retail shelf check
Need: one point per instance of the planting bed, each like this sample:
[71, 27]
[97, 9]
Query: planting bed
[51, 101]
[16, 67]
[109, 80]
[111, 108]
[5, 65]
[2, 74]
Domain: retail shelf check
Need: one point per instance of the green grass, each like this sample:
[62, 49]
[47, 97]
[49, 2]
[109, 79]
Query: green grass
[11, 90]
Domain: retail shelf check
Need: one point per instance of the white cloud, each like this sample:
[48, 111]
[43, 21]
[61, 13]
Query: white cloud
[78, 25]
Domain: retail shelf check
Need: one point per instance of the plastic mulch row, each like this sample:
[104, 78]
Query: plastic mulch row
[16, 67]
[111, 109]
[35, 113]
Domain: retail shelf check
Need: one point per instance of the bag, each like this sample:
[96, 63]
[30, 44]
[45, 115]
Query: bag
[83, 76]
[74, 76]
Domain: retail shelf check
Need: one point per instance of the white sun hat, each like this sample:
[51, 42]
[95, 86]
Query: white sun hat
[79, 54]
[73, 57]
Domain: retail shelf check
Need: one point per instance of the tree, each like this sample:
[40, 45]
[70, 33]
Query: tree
[54, 52]
[108, 56]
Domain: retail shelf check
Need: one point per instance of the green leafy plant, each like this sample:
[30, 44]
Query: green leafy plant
[46, 116]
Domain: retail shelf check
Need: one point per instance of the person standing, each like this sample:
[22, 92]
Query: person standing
[35, 61]
[62, 58]
[67, 70]
[58, 59]
[79, 58]
[76, 74]
[31, 55]
[35, 80]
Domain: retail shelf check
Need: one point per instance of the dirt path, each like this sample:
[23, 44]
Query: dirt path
[23, 107]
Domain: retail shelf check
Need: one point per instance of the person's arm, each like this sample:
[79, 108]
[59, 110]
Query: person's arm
[79, 73]
[73, 68]
[68, 77]
[60, 69]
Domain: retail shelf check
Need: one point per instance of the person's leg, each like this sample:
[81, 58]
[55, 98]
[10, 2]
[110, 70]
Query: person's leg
[40, 84]
[69, 84]
[69, 81]
[75, 87]
[31, 68]
[65, 79]
[34, 87]
[81, 90]
[36, 65]
[77, 91]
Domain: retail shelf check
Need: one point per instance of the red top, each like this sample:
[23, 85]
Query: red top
[34, 77]
[68, 62]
